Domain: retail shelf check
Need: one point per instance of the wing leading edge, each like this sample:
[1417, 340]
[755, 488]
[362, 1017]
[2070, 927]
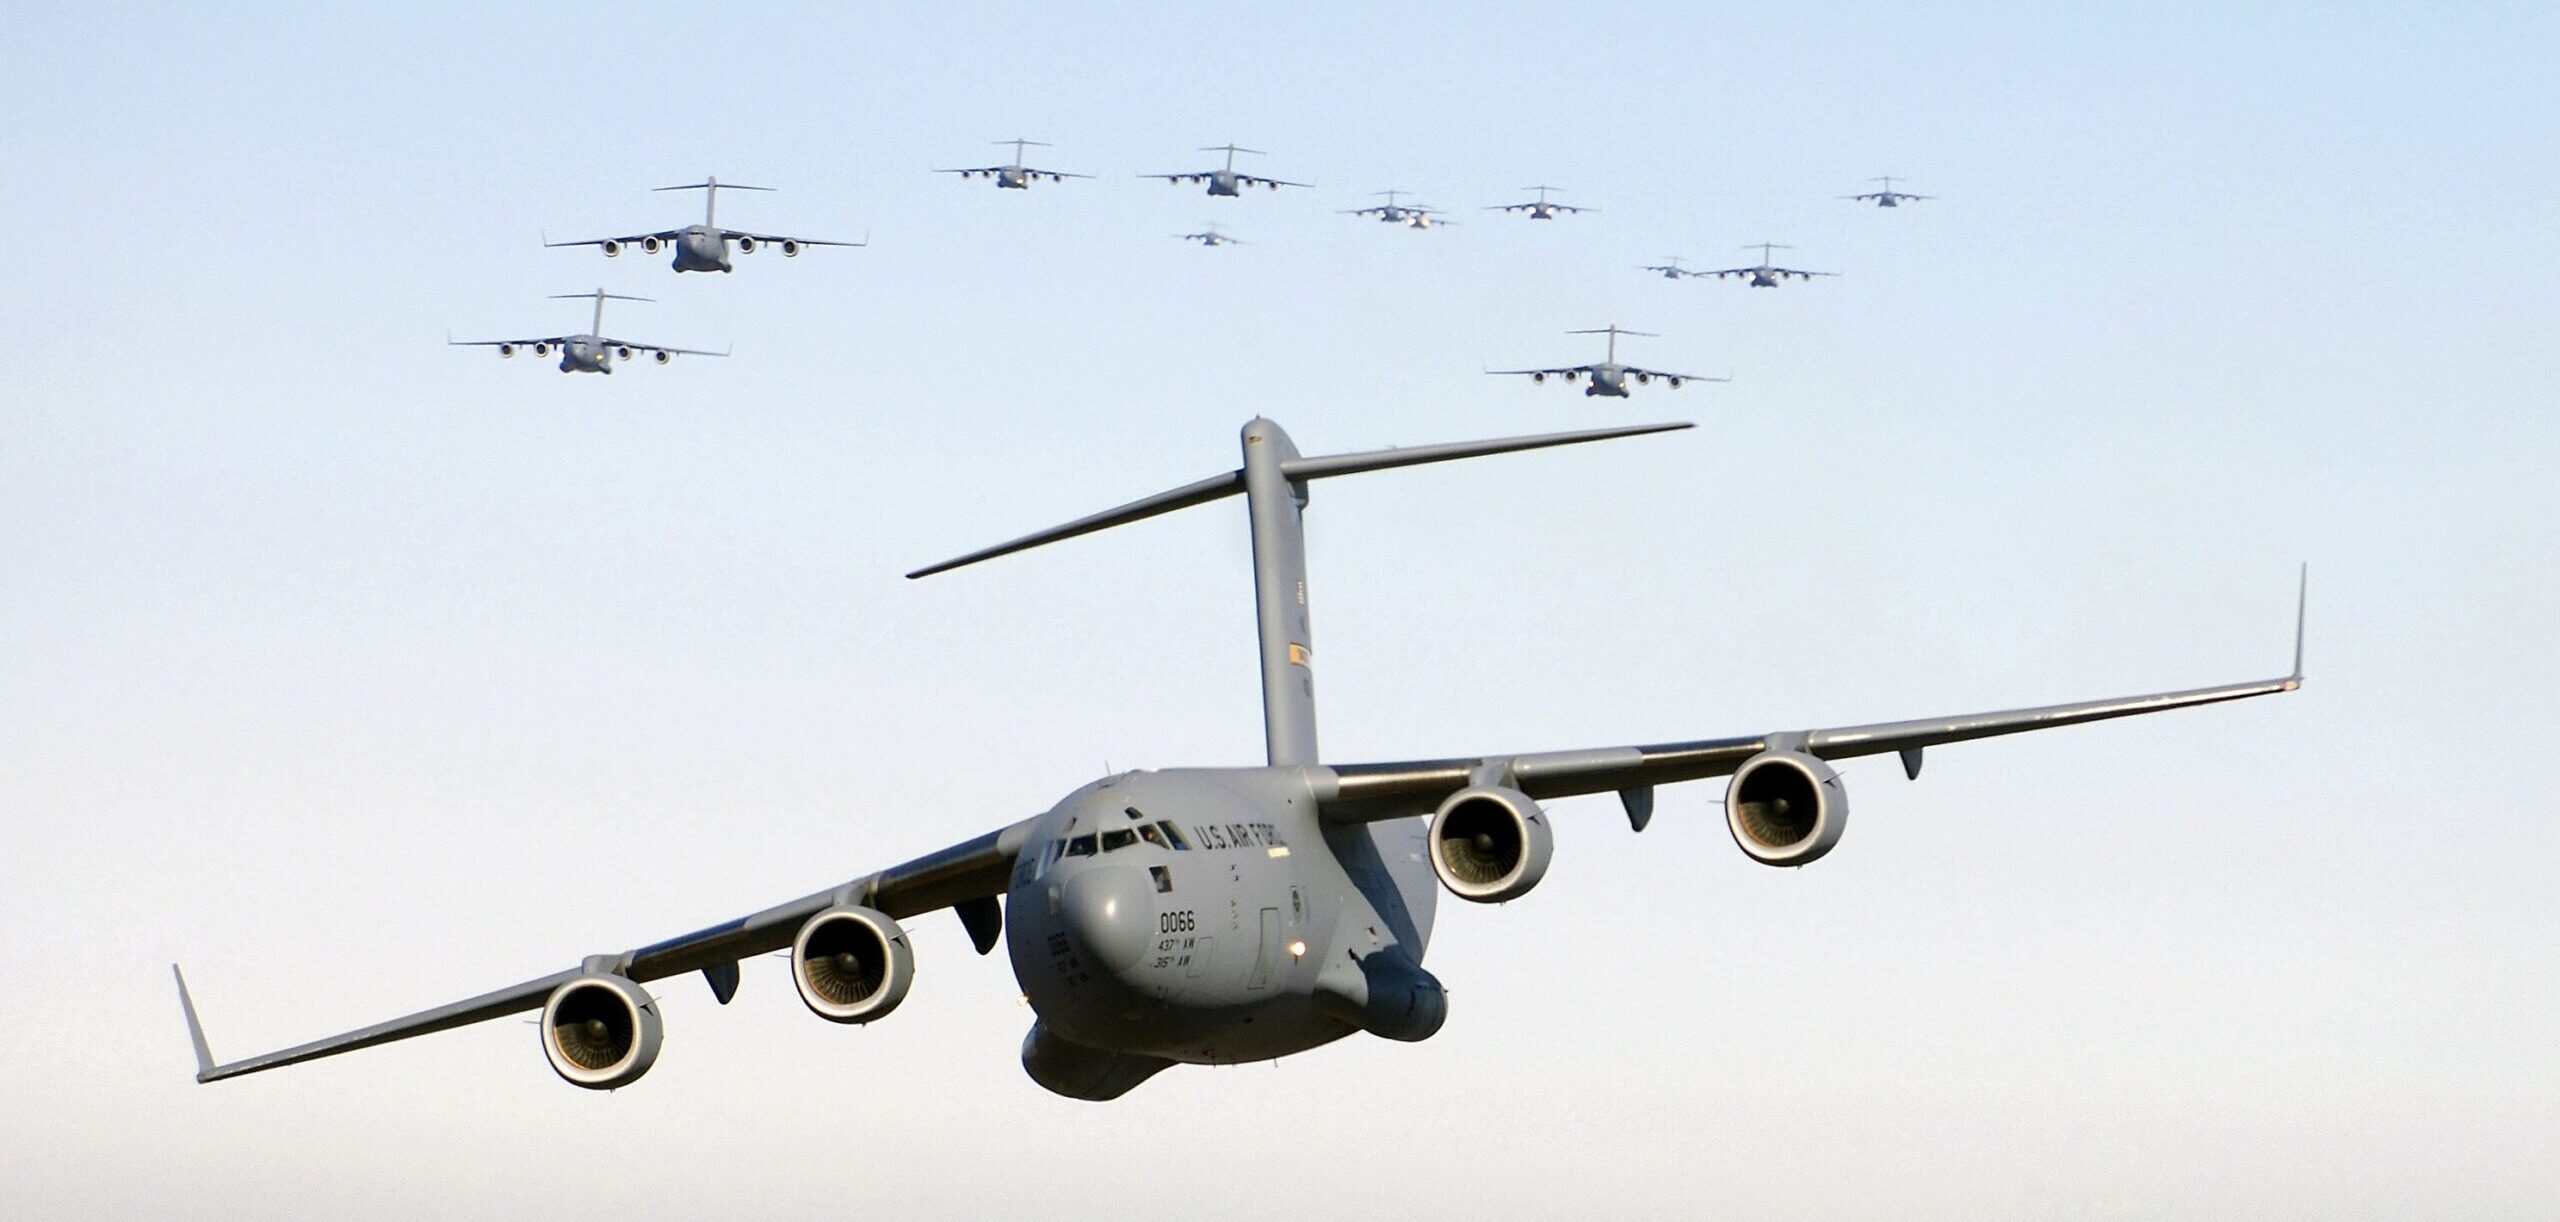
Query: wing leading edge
[1364, 793]
[964, 874]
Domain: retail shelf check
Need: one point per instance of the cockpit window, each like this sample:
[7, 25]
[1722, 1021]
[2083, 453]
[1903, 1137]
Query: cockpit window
[1153, 835]
[1080, 846]
[1173, 836]
[1118, 838]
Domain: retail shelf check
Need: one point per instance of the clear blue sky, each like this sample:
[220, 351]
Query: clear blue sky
[360, 673]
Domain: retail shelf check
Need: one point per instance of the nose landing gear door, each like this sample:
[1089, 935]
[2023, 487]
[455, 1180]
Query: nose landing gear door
[1266, 954]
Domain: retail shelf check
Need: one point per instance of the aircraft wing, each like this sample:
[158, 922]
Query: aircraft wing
[663, 235]
[507, 343]
[639, 347]
[1632, 371]
[1363, 793]
[1557, 372]
[778, 239]
[1052, 173]
[1178, 177]
[973, 870]
[1256, 180]
[1789, 271]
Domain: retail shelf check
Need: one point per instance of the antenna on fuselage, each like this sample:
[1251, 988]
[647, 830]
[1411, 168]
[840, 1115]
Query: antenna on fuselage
[710, 187]
[1273, 481]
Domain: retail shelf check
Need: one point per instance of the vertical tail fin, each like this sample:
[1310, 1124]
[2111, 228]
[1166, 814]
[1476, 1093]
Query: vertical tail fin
[1274, 481]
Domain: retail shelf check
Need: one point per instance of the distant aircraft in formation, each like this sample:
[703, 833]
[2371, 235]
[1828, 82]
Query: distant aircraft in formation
[1216, 916]
[1211, 237]
[1391, 212]
[1541, 208]
[1886, 197]
[592, 352]
[1608, 377]
[1671, 270]
[704, 247]
[1228, 180]
[1766, 275]
[1016, 176]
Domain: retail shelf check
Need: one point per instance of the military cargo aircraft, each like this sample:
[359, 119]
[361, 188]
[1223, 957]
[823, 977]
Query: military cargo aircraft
[1765, 275]
[1608, 377]
[1228, 180]
[1887, 197]
[1211, 916]
[1541, 208]
[1015, 176]
[704, 247]
[588, 353]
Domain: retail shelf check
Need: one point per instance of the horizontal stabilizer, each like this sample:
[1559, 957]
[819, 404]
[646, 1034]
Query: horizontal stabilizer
[1414, 456]
[1230, 484]
[1184, 497]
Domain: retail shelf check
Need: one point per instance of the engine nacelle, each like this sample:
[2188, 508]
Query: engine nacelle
[1490, 844]
[542, 349]
[1539, 378]
[791, 250]
[1644, 379]
[610, 248]
[601, 1032]
[652, 245]
[1786, 808]
[1572, 375]
[852, 964]
[506, 349]
[1675, 383]
[746, 246]
[663, 356]
[622, 354]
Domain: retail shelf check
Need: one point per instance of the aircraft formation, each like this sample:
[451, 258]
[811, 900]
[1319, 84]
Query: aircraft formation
[1213, 915]
[710, 247]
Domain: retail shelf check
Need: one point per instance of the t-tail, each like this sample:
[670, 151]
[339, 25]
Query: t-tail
[1273, 481]
[596, 326]
[710, 188]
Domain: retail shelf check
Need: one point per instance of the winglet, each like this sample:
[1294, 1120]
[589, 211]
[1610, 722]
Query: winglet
[195, 1029]
[2301, 609]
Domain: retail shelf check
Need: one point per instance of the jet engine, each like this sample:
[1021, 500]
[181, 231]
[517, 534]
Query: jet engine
[791, 250]
[1490, 844]
[542, 349]
[1675, 383]
[610, 248]
[601, 1032]
[746, 246]
[622, 354]
[1538, 378]
[1571, 375]
[651, 245]
[1644, 379]
[852, 964]
[1786, 808]
[663, 356]
[506, 349]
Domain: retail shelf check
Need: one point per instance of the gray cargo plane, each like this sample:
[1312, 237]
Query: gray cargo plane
[1766, 275]
[1671, 270]
[1887, 197]
[1210, 237]
[588, 353]
[704, 247]
[1393, 212]
[1211, 916]
[1016, 176]
[1228, 180]
[1609, 377]
[1541, 208]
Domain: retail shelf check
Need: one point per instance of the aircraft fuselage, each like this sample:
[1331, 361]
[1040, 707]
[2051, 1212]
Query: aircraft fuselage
[1224, 182]
[1608, 380]
[1012, 178]
[1206, 916]
[700, 248]
[586, 354]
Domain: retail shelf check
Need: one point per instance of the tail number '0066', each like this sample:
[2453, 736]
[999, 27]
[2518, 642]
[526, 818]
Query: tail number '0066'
[1176, 922]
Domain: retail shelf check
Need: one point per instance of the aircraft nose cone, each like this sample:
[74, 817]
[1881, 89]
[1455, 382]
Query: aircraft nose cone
[1111, 913]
